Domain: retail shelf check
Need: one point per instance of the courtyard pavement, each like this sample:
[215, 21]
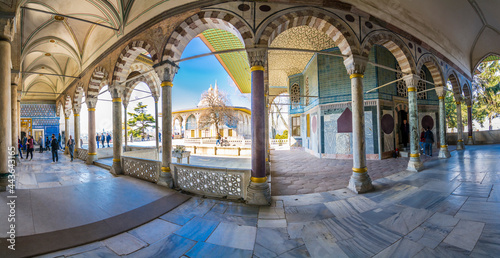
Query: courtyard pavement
[450, 209]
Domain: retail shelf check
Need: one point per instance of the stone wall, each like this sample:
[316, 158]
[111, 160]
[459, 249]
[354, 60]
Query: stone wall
[480, 137]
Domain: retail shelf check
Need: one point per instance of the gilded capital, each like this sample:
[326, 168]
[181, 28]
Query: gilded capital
[355, 64]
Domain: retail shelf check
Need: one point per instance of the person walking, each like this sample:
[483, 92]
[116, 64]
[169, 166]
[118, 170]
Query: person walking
[59, 141]
[108, 138]
[54, 144]
[97, 139]
[31, 146]
[81, 143]
[422, 140]
[20, 147]
[103, 138]
[41, 144]
[159, 137]
[47, 143]
[429, 140]
[25, 144]
[218, 139]
[405, 131]
[71, 147]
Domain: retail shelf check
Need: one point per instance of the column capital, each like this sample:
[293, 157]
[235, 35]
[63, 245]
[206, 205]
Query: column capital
[440, 91]
[91, 101]
[355, 64]
[8, 27]
[19, 95]
[166, 70]
[116, 90]
[257, 56]
[411, 80]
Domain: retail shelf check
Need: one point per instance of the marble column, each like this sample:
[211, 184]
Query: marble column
[14, 115]
[157, 130]
[470, 140]
[6, 150]
[125, 135]
[360, 181]
[258, 190]
[460, 127]
[92, 145]
[116, 92]
[415, 164]
[166, 71]
[444, 153]
[76, 122]
[66, 132]
[19, 113]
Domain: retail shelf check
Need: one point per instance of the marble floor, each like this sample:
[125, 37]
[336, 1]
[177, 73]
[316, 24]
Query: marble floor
[451, 209]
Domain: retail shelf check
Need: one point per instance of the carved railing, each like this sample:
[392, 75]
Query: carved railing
[81, 153]
[213, 182]
[279, 142]
[145, 169]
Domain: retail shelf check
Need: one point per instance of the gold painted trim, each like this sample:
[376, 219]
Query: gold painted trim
[441, 97]
[166, 83]
[470, 137]
[444, 146]
[458, 103]
[415, 155]
[116, 160]
[66, 117]
[460, 140]
[360, 170]
[258, 179]
[165, 169]
[356, 75]
[257, 68]
[117, 99]
[91, 109]
[410, 89]
[76, 114]
[92, 153]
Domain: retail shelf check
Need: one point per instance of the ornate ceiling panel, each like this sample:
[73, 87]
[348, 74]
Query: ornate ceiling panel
[285, 63]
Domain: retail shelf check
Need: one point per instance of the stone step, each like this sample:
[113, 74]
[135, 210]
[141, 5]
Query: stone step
[102, 165]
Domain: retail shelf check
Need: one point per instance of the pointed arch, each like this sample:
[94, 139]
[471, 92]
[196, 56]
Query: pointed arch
[466, 89]
[98, 79]
[128, 56]
[455, 83]
[334, 27]
[196, 24]
[431, 62]
[395, 45]
[77, 97]
[151, 79]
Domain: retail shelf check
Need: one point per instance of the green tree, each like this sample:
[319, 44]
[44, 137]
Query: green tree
[140, 120]
[486, 87]
[451, 111]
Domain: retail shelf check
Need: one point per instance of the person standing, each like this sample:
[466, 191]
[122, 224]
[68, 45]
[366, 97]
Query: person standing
[41, 144]
[108, 138]
[54, 144]
[59, 141]
[19, 147]
[47, 143]
[103, 138]
[81, 143]
[97, 139]
[405, 131]
[218, 139]
[159, 137]
[31, 146]
[429, 140]
[422, 140]
[25, 144]
[71, 146]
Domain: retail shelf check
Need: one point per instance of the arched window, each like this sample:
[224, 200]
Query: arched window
[191, 123]
[421, 86]
[401, 86]
[295, 95]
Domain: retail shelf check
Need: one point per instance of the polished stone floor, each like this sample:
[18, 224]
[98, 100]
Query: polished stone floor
[202, 160]
[451, 209]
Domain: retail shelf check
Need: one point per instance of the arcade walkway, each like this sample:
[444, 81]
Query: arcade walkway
[450, 209]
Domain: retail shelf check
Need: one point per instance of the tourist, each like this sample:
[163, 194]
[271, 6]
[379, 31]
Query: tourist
[81, 143]
[429, 140]
[131, 137]
[19, 147]
[422, 140]
[25, 145]
[71, 147]
[103, 138]
[54, 144]
[97, 139]
[31, 147]
[159, 137]
[59, 141]
[405, 131]
[108, 138]
[218, 139]
[47, 143]
[41, 143]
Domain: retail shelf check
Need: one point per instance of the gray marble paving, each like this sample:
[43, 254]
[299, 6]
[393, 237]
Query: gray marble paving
[450, 209]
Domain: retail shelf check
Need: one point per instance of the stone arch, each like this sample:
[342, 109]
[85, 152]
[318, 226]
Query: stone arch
[476, 65]
[190, 120]
[196, 24]
[59, 107]
[401, 106]
[395, 45]
[68, 106]
[275, 95]
[98, 79]
[466, 89]
[78, 97]
[433, 65]
[335, 28]
[128, 56]
[151, 79]
[455, 83]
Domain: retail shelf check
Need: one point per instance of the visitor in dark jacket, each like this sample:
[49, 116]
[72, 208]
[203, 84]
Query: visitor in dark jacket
[429, 140]
[31, 147]
[108, 138]
[55, 145]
